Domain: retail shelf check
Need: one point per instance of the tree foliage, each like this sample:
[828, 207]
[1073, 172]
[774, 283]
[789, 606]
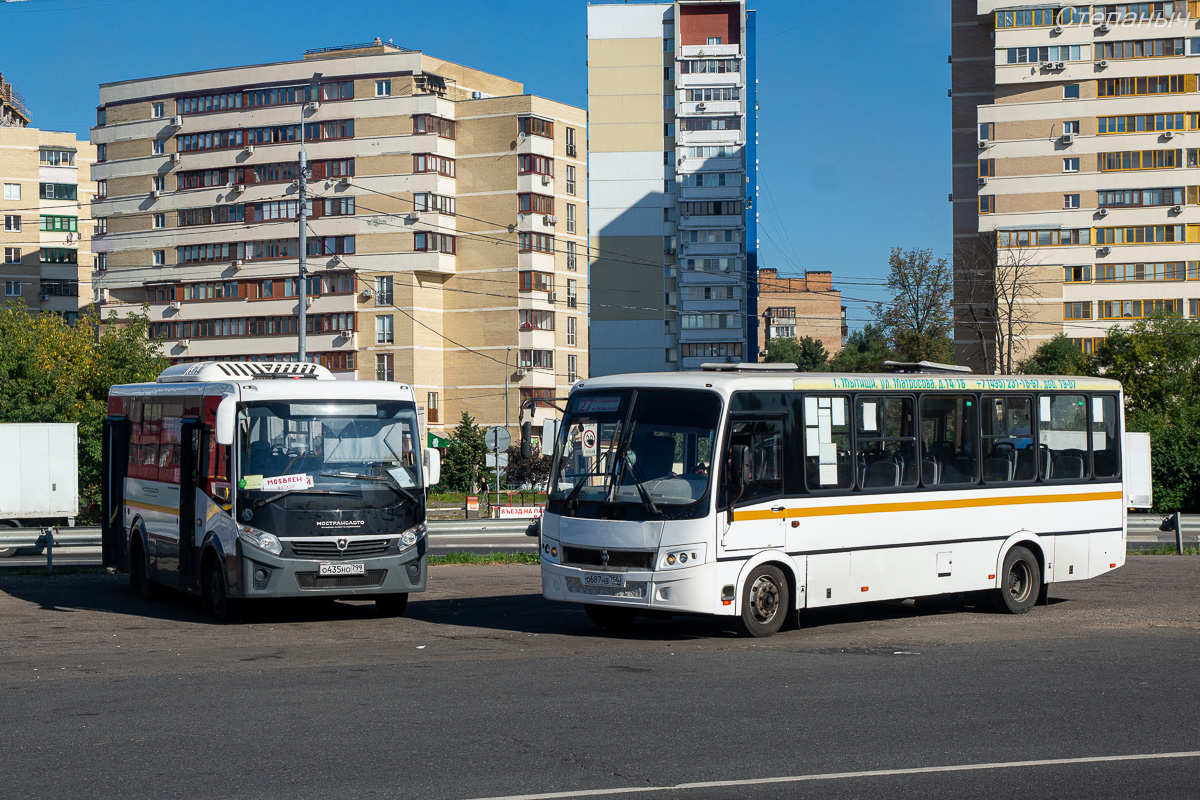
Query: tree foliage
[917, 321]
[1059, 356]
[55, 371]
[533, 471]
[807, 353]
[466, 456]
[865, 351]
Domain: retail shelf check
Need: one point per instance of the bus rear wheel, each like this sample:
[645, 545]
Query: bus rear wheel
[1021, 582]
[764, 602]
[611, 617]
[139, 569]
[391, 605]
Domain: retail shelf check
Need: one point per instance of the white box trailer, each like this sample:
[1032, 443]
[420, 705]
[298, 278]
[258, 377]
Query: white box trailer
[39, 474]
[1138, 480]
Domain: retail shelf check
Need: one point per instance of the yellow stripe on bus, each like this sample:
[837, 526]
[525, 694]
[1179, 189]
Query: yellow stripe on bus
[925, 505]
[152, 507]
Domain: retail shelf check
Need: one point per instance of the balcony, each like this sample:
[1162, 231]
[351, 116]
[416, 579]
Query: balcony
[711, 192]
[535, 222]
[694, 80]
[710, 221]
[710, 51]
[700, 250]
[539, 184]
[713, 107]
[535, 339]
[537, 145]
[729, 136]
[541, 262]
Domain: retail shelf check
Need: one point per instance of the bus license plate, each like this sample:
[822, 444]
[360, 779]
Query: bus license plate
[342, 569]
[595, 579]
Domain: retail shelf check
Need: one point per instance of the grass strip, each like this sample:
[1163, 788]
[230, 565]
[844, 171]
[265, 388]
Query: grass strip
[457, 558]
[1166, 550]
[80, 569]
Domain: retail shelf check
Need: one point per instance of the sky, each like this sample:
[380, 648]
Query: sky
[854, 121]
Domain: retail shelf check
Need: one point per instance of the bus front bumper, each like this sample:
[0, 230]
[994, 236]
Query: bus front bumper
[266, 575]
[685, 590]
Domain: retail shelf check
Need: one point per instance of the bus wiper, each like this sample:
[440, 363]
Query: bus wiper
[385, 478]
[262, 501]
[638, 480]
[572, 499]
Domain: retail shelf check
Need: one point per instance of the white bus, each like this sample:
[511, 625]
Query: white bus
[234, 481]
[755, 492]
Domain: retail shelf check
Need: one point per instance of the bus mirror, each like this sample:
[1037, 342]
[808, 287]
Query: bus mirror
[433, 466]
[226, 413]
[741, 469]
[527, 440]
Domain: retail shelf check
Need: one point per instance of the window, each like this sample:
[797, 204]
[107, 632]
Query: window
[987, 167]
[531, 164]
[1008, 452]
[101, 226]
[1071, 91]
[668, 129]
[886, 442]
[160, 182]
[60, 288]
[12, 222]
[158, 110]
[827, 463]
[535, 204]
[529, 281]
[1078, 310]
[570, 217]
[711, 208]
[535, 126]
[218, 140]
[572, 300]
[385, 367]
[535, 242]
[1143, 123]
[425, 162]
[434, 242]
[1037, 55]
[571, 150]
[1160, 271]
[1070, 201]
[58, 255]
[668, 45]
[101, 262]
[1062, 437]
[384, 332]
[1154, 84]
[334, 129]
[532, 320]
[1070, 165]
[160, 258]
[1071, 126]
[669, 187]
[1139, 309]
[668, 101]
[1106, 452]
[571, 262]
[101, 117]
[987, 203]
[572, 368]
[160, 220]
[159, 147]
[12, 288]
[431, 407]
[383, 88]
[56, 158]
[1128, 198]
[1147, 234]
[710, 66]
[424, 201]
[571, 321]
[428, 123]
[383, 290]
[668, 73]
[1139, 159]
[711, 124]
[1079, 273]
[101, 152]
[53, 223]
[12, 191]
[1140, 48]
[537, 359]
[949, 440]
[714, 40]
[570, 178]
[711, 349]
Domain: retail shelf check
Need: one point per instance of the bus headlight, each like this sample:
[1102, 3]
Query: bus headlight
[681, 556]
[267, 542]
[412, 536]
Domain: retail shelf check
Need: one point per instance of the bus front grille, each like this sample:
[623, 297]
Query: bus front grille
[588, 557]
[311, 580]
[329, 550]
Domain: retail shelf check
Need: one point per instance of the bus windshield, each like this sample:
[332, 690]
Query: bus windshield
[649, 447]
[356, 454]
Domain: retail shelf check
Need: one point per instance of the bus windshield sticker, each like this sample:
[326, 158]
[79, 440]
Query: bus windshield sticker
[829, 476]
[823, 425]
[868, 417]
[839, 411]
[822, 402]
[1098, 410]
[284, 483]
[609, 404]
[1045, 408]
[828, 454]
[812, 444]
[251, 482]
[810, 410]
[589, 441]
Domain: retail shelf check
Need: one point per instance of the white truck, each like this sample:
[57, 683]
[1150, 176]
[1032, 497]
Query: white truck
[39, 475]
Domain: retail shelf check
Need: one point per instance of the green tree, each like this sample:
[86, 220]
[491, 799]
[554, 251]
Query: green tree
[533, 471]
[807, 353]
[865, 351]
[917, 321]
[55, 371]
[1059, 356]
[466, 456]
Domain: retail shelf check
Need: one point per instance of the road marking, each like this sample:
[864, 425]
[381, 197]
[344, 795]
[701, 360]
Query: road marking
[836, 776]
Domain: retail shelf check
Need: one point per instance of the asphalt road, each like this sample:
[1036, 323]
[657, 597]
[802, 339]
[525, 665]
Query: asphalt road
[485, 690]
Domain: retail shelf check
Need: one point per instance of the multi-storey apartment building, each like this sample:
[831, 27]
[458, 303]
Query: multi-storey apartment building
[445, 234]
[46, 234]
[792, 308]
[672, 134]
[1075, 168]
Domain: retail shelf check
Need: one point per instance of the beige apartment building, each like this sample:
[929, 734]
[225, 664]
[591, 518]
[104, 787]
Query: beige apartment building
[1075, 147]
[45, 239]
[792, 308]
[446, 232]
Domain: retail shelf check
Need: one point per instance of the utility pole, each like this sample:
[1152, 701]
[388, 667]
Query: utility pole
[507, 353]
[302, 215]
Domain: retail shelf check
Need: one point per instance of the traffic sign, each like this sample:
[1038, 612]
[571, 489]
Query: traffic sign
[491, 460]
[589, 441]
[497, 438]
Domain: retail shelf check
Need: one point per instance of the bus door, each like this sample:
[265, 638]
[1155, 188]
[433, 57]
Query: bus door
[190, 462]
[115, 465]
[758, 502]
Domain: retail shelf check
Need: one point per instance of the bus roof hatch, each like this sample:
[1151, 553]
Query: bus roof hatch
[923, 366]
[243, 371]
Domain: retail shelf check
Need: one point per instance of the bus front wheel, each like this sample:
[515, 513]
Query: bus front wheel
[223, 607]
[611, 617]
[1021, 582]
[764, 602]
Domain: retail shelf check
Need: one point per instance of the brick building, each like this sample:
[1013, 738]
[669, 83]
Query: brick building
[792, 308]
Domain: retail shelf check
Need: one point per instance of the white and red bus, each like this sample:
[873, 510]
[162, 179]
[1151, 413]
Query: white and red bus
[235, 481]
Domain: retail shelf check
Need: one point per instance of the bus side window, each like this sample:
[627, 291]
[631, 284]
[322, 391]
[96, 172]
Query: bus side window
[827, 462]
[1008, 449]
[764, 438]
[1106, 444]
[949, 434]
[1062, 436]
[886, 441]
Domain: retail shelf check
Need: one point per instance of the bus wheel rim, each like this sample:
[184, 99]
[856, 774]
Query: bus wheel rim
[764, 599]
[1019, 581]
